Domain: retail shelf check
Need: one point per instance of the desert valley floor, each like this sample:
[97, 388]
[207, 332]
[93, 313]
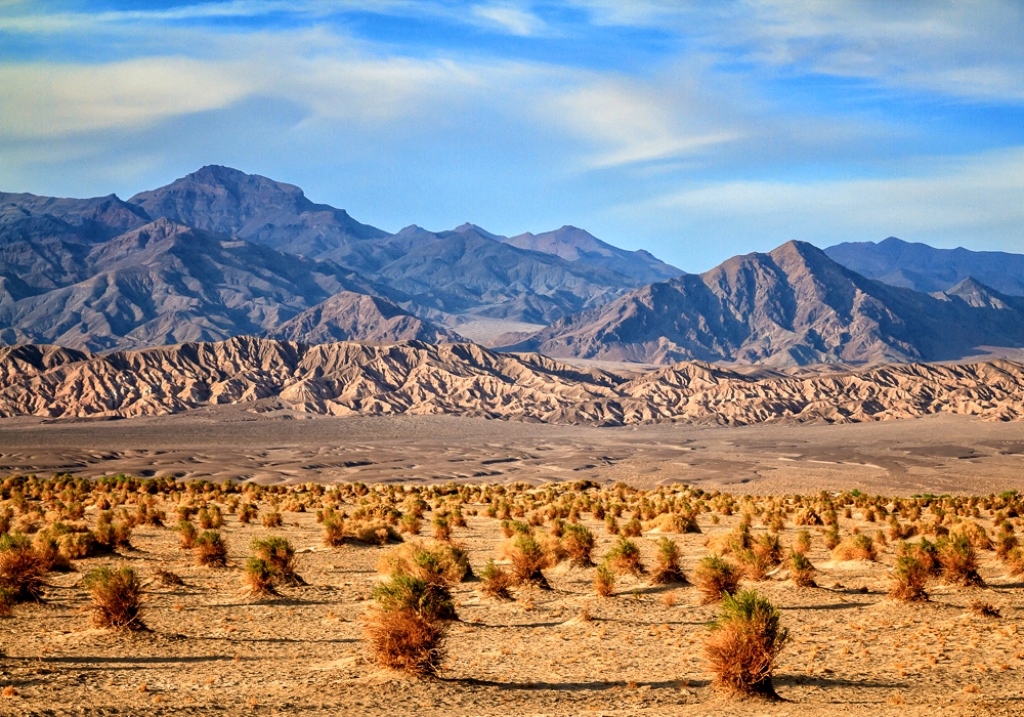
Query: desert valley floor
[213, 649]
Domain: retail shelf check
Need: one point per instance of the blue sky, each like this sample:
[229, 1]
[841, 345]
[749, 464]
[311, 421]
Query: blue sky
[694, 130]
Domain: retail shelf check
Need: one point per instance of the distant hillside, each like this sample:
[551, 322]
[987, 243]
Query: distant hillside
[924, 268]
[793, 306]
[349, 379]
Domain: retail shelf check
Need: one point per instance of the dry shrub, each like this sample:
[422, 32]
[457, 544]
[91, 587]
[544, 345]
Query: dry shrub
[260, 577]
[632, 529]
[116, 597]
[984, 609]
[442, 528]
[959, 562]
[21, 568]
[372, 532]
[186, 534]
[909, 580]
[440, 563]
[831, 536]
[1015, 561]
[675, 523]
[744, 643]
[801, 571]
[210, 550]
[855, 547]
[112, 534]
[496, 581]
[715, 577]
[802, 544]
[410, 523]
[624, 557]
[807, 517]
[406, 640]
[246, 513]
[528, 560]
[768, 547]
[755, 566]
[334, 528]
[974, 533]
[271, 519]
[578, 543]
[667, 569]
[166, 577]
[604, 581]
[279, 555]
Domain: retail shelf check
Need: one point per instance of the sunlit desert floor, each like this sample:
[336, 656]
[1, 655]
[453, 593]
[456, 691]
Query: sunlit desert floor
[212, 649]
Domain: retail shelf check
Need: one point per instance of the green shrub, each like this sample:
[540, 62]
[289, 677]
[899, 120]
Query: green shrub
[744, 643]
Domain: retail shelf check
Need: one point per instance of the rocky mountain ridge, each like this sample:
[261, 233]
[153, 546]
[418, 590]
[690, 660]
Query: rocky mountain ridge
[352, 379]
[791, 306]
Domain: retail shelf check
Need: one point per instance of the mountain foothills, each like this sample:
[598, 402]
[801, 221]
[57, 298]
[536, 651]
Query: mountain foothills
[345, 379]
[220, 253]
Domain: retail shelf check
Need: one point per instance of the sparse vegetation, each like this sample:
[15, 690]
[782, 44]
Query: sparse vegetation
[116, 597]
[715, 577]
[744, 644]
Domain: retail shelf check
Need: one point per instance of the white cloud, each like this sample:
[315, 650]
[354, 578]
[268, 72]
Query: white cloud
[511, 19]
[46, 100]
[625, 123]
[942, 200]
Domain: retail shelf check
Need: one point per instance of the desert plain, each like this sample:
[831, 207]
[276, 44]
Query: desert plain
[213, 648]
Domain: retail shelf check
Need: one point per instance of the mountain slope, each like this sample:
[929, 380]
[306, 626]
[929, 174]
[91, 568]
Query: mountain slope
[793, 306]
[254, 208]
[346, 379]
[166, 283]
[924, 268]
[582, 248]
[349, 316]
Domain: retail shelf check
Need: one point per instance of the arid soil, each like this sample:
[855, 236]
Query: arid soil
[212, 649]
[936, 454]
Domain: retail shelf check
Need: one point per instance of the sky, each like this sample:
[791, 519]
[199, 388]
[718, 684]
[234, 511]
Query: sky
[695, 130]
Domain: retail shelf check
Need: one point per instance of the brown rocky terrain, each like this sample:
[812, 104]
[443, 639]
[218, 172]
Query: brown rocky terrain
[351, 379]
[791, 306]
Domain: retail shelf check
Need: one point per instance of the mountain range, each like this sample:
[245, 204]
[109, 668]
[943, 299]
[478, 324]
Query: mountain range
[220, 253]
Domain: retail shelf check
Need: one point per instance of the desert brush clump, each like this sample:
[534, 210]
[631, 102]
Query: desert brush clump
[116, 597]
[624, 557]
[496, 581]
[528, 560]
[604, 580]
[959, 561]
[279, 555]
[667, 570]
[909, 579]
[855, 547]
[715, 577]
[21, 568]
[259, 577]
[801, 571]
[407, 626]
[578, 542]
[744, 643]
[210, 550]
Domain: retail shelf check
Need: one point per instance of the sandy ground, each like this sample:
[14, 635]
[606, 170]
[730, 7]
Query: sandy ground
[937, 454]
[214, 650]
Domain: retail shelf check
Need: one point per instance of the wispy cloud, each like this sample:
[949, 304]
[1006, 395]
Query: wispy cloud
[626, 124]
[939, 200]
[513, 20]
